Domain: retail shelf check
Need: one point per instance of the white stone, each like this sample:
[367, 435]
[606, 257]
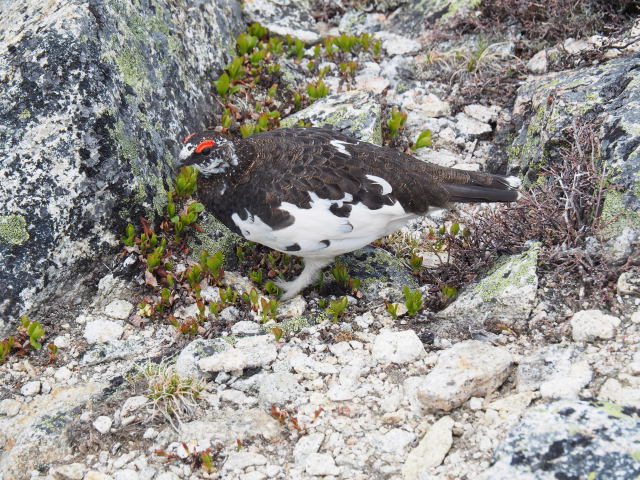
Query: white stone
[230, 314]
[513, 404]
[131, 404]
[615, 391]
[590, 325]
[635, 317]
[469, 368]
[394, 441]
[538, 64]
[292, 308]
[430, 105]
[167, 476]
[210, 294]
[372, 83]
[96, 475]
[62, 341]
[102, 424]
[100, 331]
[472, 128]
[255, 475]
[73, 471]
[31, 388]
[245, 327]
[628, 283]
[9, 407]
[119, 309]
[482, 113]
[321, 464]
[126, 474]
[248, 352]
[279, 389]
[431, 450]
[62, 374]
[397, 347]
[307, 445]
[242, 460]
[45, 387]
[567, 384]
[574, 46]
[442, 157]
[396, 44]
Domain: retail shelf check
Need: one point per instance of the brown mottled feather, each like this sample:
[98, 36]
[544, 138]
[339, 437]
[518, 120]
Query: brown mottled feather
[285, 165]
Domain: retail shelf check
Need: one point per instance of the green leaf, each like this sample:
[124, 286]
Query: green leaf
[423, 140]
[448, 291]
[222, 84]
[196, 207]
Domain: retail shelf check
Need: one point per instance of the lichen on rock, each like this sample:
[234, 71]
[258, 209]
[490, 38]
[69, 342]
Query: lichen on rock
[13, 230]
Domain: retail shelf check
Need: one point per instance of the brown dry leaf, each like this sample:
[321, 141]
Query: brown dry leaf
[150, 279]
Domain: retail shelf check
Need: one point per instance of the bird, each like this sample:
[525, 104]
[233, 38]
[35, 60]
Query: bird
[317, 193]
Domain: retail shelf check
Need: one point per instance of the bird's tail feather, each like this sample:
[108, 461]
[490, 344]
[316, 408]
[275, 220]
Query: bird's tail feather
[472, 187]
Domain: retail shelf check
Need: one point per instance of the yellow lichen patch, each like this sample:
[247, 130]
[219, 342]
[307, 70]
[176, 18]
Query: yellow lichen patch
[13, 230]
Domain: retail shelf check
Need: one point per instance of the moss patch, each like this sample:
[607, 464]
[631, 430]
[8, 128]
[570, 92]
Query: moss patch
[13, 230]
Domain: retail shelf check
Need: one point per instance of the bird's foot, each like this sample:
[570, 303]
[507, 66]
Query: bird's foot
[306, 277]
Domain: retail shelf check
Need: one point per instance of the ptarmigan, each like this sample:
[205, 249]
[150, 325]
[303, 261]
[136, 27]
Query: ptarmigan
[317, 193]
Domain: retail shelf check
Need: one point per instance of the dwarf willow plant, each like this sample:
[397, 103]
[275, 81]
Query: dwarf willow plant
[413, 300]
[396, 122]
[336, 308]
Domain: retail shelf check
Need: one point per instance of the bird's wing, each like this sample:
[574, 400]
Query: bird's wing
[306, 192]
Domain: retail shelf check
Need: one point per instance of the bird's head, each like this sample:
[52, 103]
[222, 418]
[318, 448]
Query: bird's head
[209, 152]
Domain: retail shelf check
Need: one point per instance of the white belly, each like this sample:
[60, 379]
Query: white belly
[319, 233]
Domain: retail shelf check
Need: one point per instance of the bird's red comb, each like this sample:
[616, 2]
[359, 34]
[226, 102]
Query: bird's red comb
[203, 145]
[186, 139]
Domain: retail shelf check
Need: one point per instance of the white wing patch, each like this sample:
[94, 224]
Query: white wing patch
[339, 144]
[320, 233]
[386, 186]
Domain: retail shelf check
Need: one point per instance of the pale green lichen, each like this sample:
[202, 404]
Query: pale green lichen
[293, 324]
[359, 122]
[13, 230]
[24, 114]
[127, 146]
[512, 271]
[216, 236]
[130, 64]
[615, 215]
[615, 410]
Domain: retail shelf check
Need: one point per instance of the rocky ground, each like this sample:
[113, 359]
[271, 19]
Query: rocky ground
[530, 370]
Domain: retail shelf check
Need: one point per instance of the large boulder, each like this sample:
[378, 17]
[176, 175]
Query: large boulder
[93, 96]
[608, 97]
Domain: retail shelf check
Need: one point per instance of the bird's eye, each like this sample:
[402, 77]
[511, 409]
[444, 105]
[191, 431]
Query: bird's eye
[204, 147]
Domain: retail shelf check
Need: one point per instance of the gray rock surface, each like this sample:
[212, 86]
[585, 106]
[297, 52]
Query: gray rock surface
[356, 113]
[568, 439]
[93, 95]
[284, 17]
[506, 294]
[607, 95]
[591, 325]
[469, 368]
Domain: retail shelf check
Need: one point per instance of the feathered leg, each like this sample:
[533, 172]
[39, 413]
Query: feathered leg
[311, 268]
